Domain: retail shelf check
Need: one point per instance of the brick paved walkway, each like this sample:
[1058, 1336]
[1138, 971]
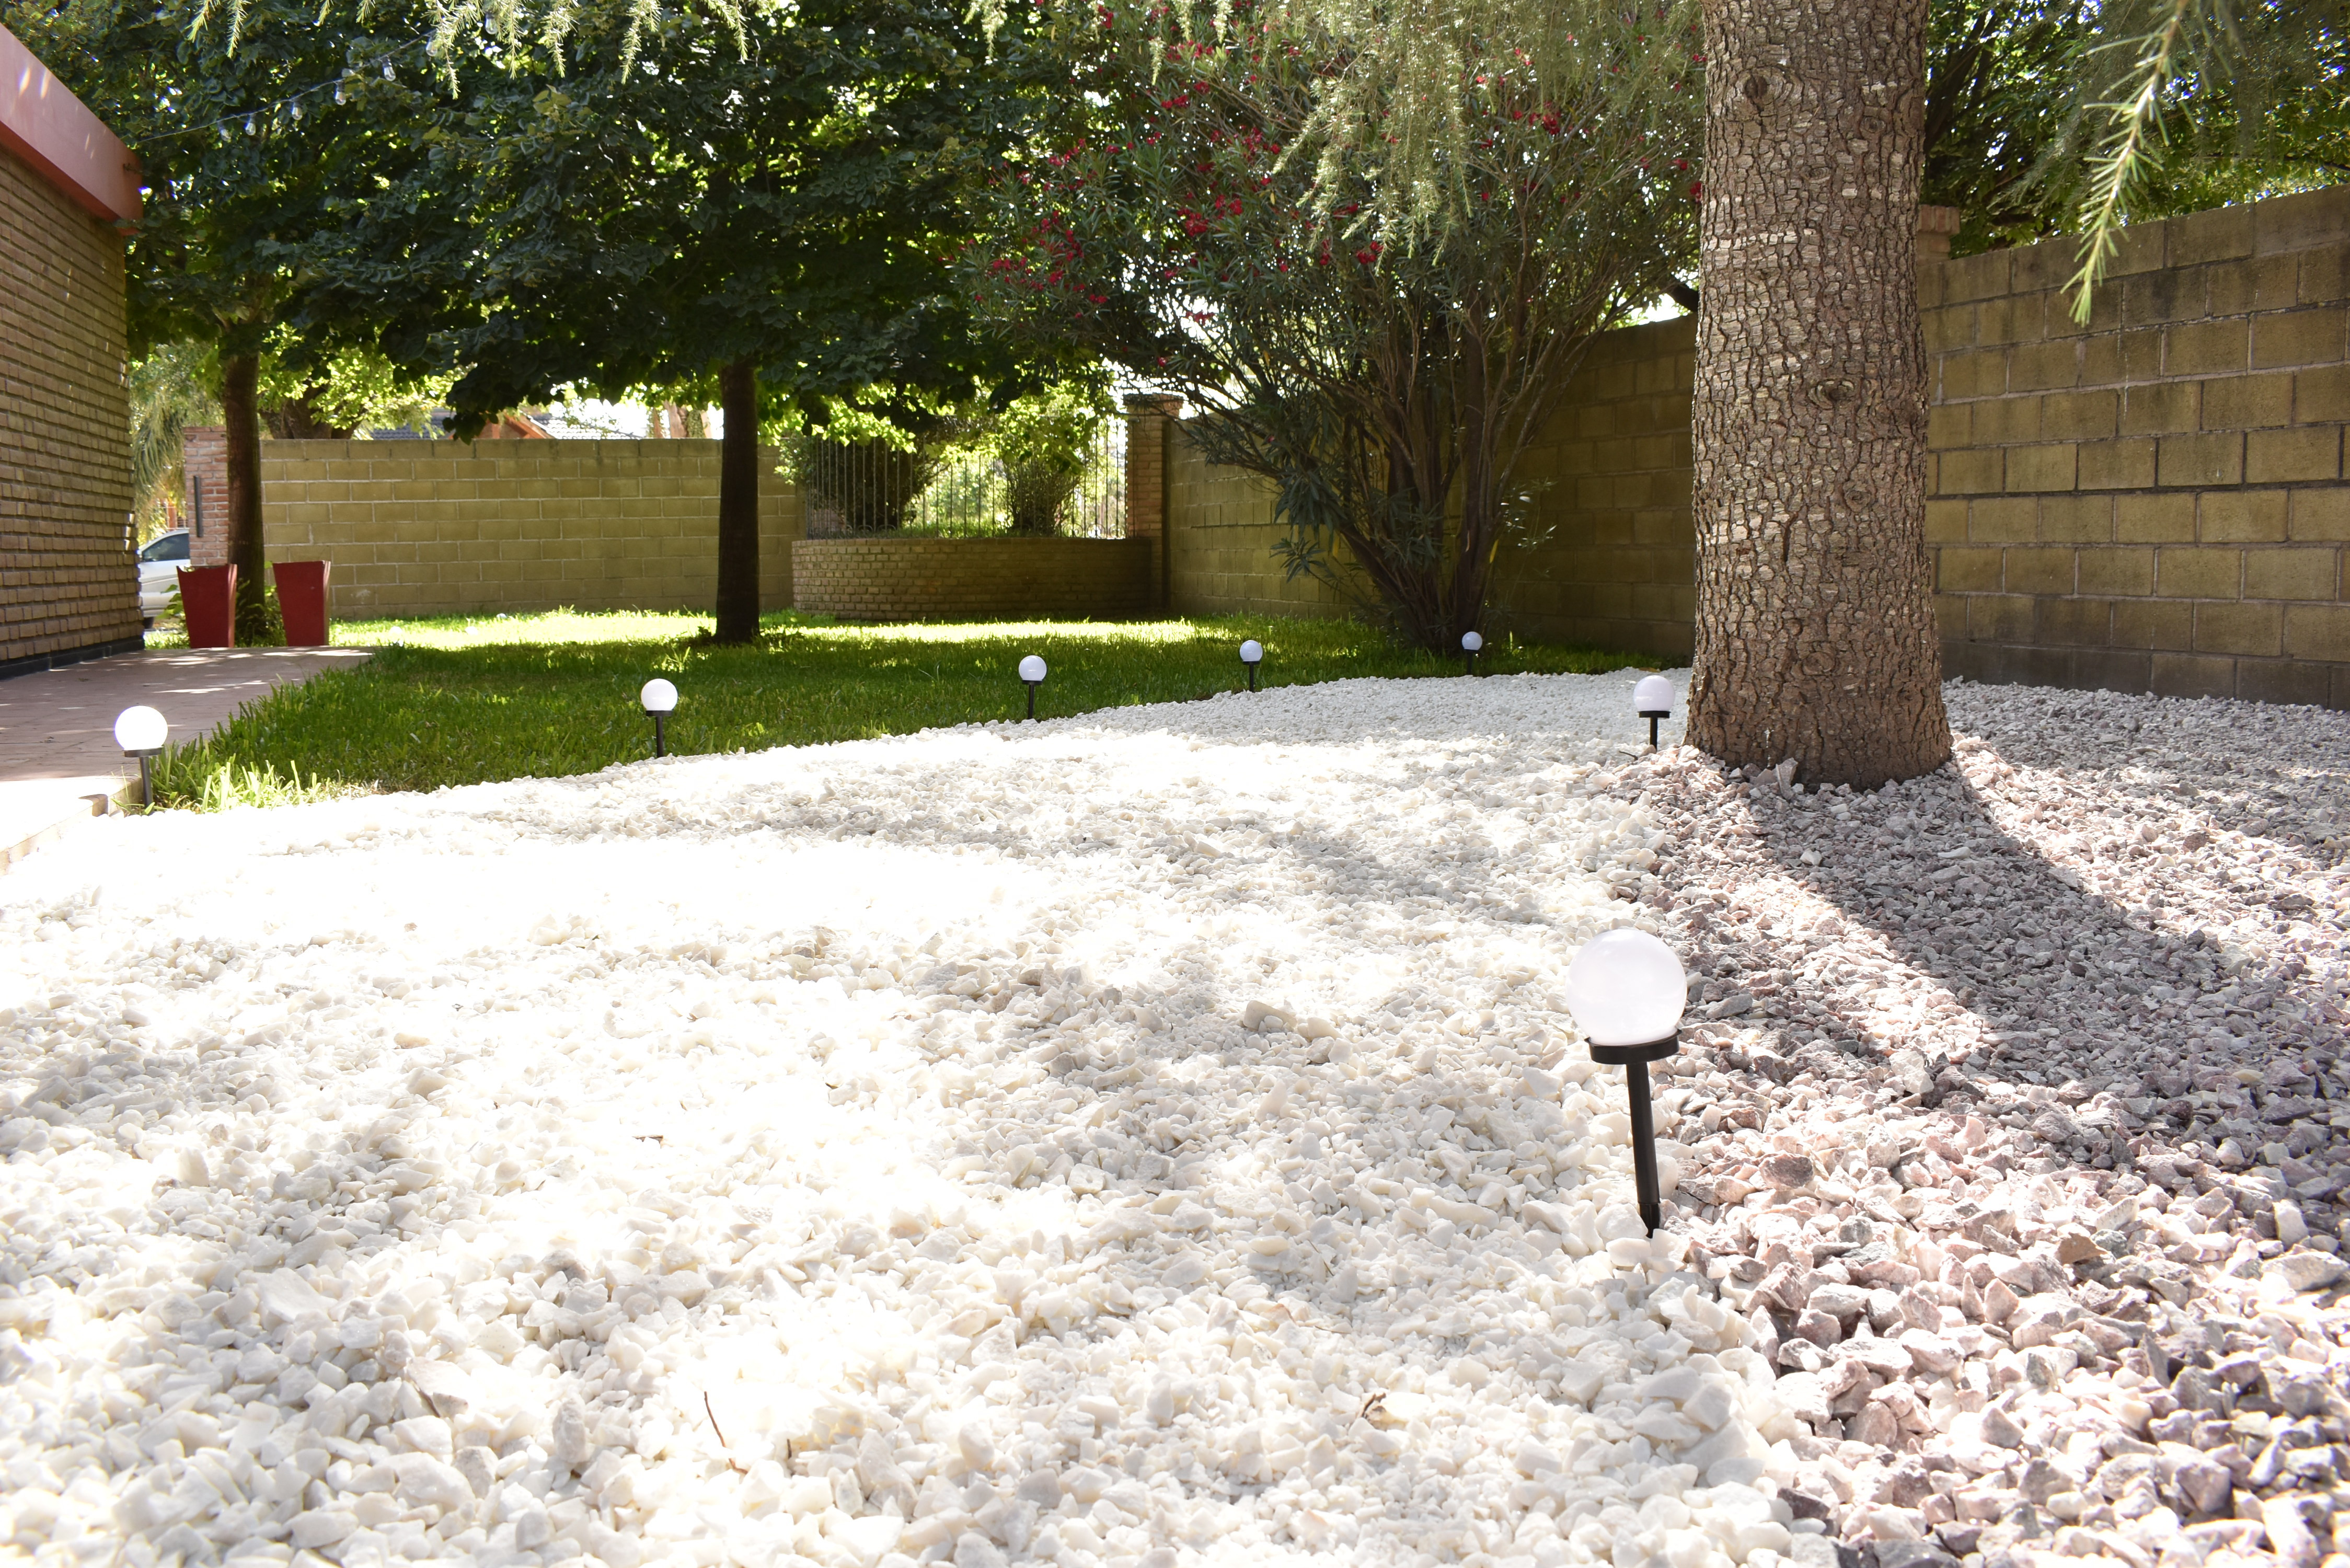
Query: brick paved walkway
[59, 761]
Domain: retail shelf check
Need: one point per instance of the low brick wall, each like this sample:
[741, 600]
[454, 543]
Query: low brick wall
[440, 527]
[898, 579]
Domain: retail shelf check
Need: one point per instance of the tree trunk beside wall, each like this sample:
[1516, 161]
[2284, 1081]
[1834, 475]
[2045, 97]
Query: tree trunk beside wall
[738, 506]
[1816, 632]
[240, 420]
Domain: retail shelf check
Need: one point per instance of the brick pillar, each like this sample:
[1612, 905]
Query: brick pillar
[203, 455]
[1149, 424]
[1936, 227]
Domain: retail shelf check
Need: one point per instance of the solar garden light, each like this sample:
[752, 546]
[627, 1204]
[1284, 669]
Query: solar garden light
[141, 732]
[1252, 655]
[1626, 991]
[659, 699]
[1032, 670]
[1471, 642]
[1652, 699]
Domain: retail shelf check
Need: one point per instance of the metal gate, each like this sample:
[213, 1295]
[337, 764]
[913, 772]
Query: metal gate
[960, 491]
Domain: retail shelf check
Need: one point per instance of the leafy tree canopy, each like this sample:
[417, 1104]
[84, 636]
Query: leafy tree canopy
[1380, 339]
[2044, 116]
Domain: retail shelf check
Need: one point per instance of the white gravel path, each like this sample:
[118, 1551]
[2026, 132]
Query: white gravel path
[443, 1175]
[1146, 1138]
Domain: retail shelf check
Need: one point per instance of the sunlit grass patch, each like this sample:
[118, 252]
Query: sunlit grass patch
[470, 700]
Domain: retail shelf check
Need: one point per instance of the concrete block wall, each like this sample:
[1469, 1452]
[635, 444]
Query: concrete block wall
[68, 586]
[918, 580]
[2153, 501]
[433, 528]
[1612, 558]
[204, 466]
[1220, 536]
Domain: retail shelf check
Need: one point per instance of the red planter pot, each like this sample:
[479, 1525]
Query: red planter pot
[208, 602]
[302, 601]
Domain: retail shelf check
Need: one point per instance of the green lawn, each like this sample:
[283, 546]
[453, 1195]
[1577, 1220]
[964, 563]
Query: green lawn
[453, 701]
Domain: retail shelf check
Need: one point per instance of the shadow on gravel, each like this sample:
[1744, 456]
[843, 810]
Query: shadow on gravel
[2090, 1000]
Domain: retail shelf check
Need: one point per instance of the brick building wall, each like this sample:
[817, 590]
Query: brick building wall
[916, 579]
[69, 587]
[2152, 502]
[436, 527]
[2155, 501]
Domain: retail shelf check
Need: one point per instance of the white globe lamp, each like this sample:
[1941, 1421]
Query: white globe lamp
[1032, 673]
[1626, 991]
[1652, 699]
[660, 700]
[140, 733]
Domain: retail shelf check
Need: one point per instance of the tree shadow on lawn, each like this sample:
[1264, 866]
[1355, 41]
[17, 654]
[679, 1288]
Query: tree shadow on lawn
[2081, 987]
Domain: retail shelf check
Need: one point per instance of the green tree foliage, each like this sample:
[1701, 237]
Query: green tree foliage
[2029, 102]
[712, 201]
[2203, 98]
[1380, 341]
[258, 131]
[1044, 440]
[172, 388]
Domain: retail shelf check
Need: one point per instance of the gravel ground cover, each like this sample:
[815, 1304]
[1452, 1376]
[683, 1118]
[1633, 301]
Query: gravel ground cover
[2028, 1121]
[1152, 1139]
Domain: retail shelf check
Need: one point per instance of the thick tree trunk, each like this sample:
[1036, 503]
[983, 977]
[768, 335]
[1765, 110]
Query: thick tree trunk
[296, 419]
[240, 429]
[1816, 631]
[738, 505]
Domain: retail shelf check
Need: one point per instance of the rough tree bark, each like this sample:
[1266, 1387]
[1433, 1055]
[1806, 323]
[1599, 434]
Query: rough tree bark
[738, 505]
[241, 434]
[1816, 631]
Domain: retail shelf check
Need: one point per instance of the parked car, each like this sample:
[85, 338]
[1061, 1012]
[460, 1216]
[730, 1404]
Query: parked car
[159, 572]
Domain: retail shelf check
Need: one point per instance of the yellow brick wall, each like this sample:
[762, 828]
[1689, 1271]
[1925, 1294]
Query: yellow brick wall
[1610, 560]
[2152, 501]
[918, 580]
[429, 527]
[68, 586]
[1220, 534]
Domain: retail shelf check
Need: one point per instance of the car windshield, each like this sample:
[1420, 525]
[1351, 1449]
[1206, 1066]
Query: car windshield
[170, 547]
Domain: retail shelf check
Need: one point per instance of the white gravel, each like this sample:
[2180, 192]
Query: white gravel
[440, 1176]
[1146, 1138]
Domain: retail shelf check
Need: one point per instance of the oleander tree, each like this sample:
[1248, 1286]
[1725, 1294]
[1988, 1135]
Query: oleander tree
[1380, 343]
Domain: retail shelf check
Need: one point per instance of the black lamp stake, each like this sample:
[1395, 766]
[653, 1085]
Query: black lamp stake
[1653, 718]
[1634, 1060]
[1031, 701]
[661, 738]
[146, 779]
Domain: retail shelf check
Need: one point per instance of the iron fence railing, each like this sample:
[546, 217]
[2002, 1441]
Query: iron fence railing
[961, 492]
